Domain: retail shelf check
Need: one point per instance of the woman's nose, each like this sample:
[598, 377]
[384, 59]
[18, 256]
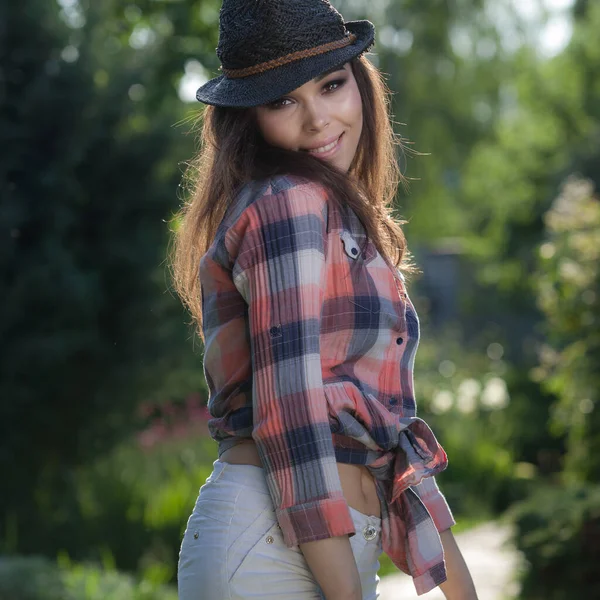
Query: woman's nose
[317, 116]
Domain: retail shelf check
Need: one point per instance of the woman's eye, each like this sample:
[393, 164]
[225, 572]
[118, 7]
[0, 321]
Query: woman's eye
[279, 103]
[331, 86]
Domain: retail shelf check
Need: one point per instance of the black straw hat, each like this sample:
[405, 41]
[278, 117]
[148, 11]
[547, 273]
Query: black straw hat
[268, 48]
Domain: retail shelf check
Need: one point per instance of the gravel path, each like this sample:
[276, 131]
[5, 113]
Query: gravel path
[493, 563]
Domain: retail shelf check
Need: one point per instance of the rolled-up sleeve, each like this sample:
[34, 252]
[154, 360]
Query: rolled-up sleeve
[436, 503]
[280, 246]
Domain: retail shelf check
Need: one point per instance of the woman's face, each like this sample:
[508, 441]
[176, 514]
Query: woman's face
[324, 117]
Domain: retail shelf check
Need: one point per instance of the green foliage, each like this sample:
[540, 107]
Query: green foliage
[466, 395]
[36, 578]
[130, 507]
[548, 130]
[568, 284]
[558, 528]
[87, 328]
[558, 531]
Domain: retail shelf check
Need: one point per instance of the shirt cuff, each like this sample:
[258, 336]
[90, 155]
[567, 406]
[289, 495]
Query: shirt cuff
[425, 583]
[436, 503]
[316, 520]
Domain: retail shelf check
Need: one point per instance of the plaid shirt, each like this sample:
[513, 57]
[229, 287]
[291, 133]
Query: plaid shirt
[309, 350]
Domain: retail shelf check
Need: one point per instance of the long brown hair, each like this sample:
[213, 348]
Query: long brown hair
[233, 152]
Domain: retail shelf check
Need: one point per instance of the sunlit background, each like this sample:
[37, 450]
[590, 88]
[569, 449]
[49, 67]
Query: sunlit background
[103, 438]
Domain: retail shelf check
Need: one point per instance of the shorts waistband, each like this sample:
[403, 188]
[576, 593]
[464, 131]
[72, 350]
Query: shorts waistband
[253, 477]
[250, 476]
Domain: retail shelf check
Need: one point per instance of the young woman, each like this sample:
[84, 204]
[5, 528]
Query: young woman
[290, 261]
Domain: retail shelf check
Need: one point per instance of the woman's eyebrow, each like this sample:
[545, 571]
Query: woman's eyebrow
[323, 75]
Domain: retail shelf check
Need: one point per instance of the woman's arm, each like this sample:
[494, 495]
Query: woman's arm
[279, 246]
[333, 565]
[459, 585]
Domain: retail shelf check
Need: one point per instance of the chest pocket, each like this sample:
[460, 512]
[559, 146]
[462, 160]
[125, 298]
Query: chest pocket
[359, 285]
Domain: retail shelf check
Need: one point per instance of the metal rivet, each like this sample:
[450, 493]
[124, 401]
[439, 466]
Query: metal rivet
[270, 539]
[369, 532]
[196, 534]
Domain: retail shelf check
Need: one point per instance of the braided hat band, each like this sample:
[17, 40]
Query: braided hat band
[284, 60]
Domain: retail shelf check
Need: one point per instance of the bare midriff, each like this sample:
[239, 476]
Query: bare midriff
[358, 484]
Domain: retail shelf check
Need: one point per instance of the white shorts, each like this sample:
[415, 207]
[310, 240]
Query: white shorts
[233, 547]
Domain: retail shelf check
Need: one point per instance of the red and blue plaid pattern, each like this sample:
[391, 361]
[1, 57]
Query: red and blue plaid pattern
[309, 349]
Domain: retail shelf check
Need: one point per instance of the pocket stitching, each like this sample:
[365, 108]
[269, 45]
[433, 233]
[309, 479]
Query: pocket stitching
[222, 469]
[227, 549]
[211, 516]
[252, 547]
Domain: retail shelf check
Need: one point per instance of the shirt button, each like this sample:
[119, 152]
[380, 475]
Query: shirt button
[354, 250]
[369, 532]
[393, 400]
[399, 340]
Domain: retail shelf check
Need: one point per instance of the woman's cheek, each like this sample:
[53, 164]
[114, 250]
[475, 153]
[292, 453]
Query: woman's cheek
[355, 105]
[278, 131]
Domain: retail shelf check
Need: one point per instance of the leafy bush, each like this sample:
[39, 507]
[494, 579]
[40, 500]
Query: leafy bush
[135, 503]
[471, 399]
[87, 329]
[558, 531]
[128, 510]
[36, 578]
[568, 280]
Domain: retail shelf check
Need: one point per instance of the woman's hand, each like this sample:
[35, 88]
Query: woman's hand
[333, 566]
[459, 585]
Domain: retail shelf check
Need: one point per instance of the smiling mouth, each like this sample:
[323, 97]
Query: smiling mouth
[326, 149]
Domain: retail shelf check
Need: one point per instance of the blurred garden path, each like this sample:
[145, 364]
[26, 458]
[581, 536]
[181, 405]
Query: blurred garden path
[492, 560]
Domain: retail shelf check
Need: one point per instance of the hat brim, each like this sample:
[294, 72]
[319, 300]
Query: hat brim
[270, 85]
